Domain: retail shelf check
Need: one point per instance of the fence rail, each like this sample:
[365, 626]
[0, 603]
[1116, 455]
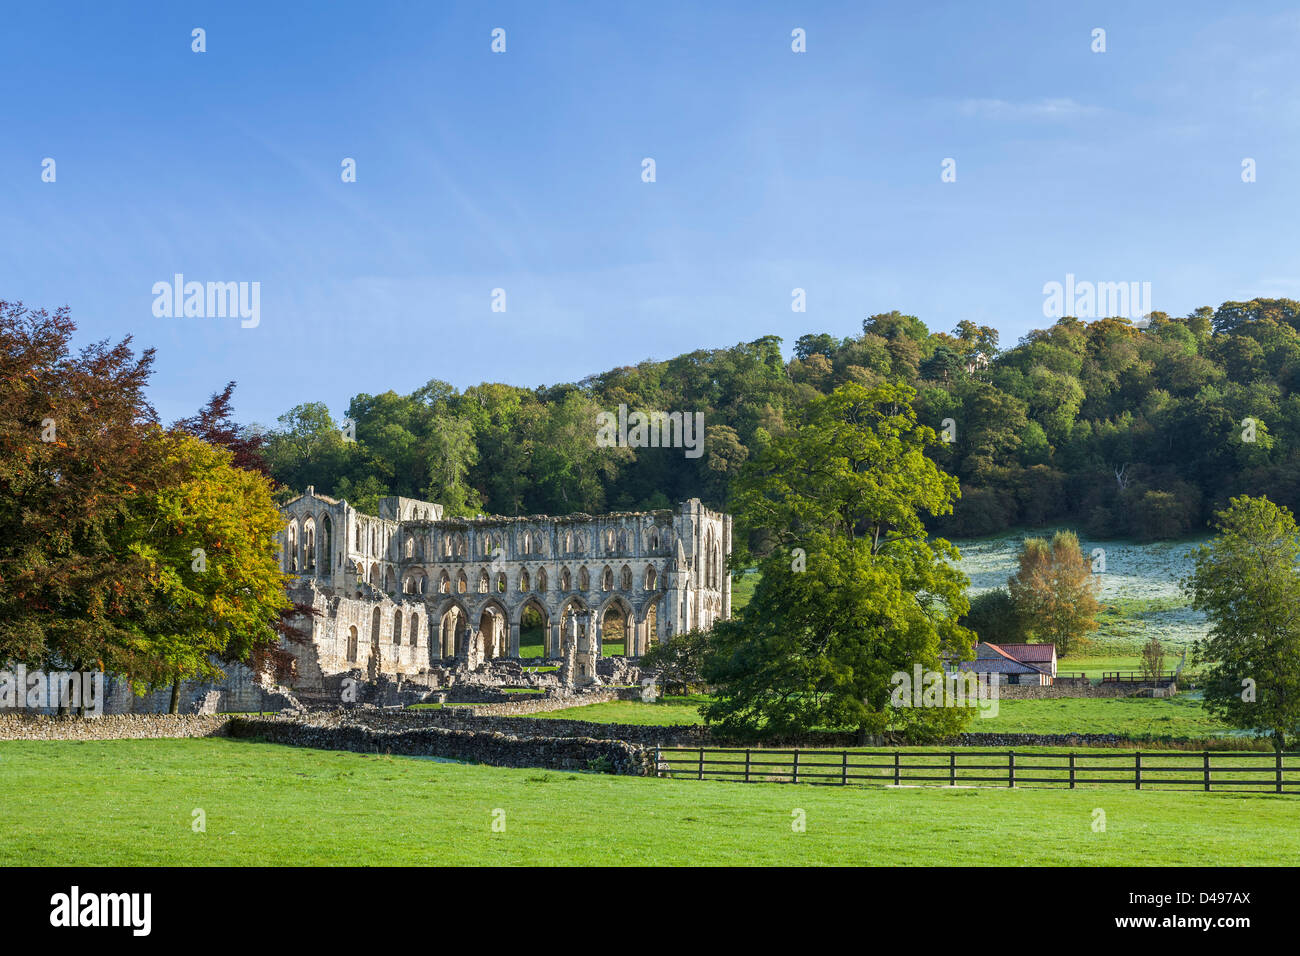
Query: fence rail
[1252, 772]
[1135, 677]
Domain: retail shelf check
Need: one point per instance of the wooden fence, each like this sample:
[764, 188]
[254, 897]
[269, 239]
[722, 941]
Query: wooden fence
[1166, 770]
[1135, 677]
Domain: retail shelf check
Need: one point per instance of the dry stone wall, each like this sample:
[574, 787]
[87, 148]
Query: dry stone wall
[477, 746]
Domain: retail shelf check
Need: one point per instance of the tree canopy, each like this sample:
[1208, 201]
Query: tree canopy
[852, 590]
[1246, 580]
[1119, 429]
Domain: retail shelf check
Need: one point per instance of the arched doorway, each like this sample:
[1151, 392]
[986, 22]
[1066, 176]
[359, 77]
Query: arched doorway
[534, 631]
[454, 632]
[616, 629]
[493, 630]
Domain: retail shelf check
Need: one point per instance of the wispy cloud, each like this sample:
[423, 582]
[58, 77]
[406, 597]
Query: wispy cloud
[1047, 109]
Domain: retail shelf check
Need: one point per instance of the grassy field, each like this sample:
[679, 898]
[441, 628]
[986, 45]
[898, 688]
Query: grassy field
[1183, 716]
[131, 802]
[1139, 589]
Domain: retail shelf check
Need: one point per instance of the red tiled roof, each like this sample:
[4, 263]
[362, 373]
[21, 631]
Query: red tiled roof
[1000, 651]
[1029, 652]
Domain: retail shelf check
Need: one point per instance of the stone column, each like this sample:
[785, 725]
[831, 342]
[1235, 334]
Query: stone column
[514, 640]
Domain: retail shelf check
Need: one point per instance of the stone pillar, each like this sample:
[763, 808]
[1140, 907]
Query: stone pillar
[726, 569]
[635, 636]
[514, 640]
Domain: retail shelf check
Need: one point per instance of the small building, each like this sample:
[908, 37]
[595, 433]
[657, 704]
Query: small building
[1014, 663]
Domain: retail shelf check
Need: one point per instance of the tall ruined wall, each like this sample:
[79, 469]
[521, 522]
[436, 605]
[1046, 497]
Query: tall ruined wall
[401, 592]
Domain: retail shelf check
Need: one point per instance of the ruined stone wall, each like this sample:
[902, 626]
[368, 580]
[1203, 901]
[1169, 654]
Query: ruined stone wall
[409, 590]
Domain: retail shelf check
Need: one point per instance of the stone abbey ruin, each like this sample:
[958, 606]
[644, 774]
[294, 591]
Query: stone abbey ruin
[409, 599]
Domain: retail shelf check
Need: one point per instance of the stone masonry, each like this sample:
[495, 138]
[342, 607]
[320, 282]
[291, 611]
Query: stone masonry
[408, 592]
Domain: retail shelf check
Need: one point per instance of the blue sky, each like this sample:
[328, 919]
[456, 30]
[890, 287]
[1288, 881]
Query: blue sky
[522, 171]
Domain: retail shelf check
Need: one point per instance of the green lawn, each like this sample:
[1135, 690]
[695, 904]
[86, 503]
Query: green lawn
[1139, 717]
[130, 802]
[742, 588]
[1181, 716]
[666, 710]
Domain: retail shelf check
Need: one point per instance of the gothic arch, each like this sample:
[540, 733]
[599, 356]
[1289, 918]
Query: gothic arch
[529, 636]
[453, 629]
[309, 544]
[326, 544]
[291, 547]
[616, 623]
[494, 629]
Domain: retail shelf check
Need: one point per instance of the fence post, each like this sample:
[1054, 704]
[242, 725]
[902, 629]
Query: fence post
[844, 771]
[1137, 770]
[1279, 771]
[795, 778]
[1071, 770]
[952, 768]
[747, 753]
[897, 778]
[1207, 770]
[1011, 768]
[700, 775]
[658, 765]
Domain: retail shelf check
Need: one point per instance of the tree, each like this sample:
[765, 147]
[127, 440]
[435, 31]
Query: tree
[1152, 659]
[993, 618]
[452, 453]
[1054, 591]
[677, 662]
[207, 543]
[307, 449]
[867, 594]
[78, 445]
[215, 424]
[1246, 581]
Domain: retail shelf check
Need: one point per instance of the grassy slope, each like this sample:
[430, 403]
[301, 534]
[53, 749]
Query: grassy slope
[130, 802]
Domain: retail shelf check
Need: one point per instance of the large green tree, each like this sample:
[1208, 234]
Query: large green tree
[853, 590]
[1247, 581]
